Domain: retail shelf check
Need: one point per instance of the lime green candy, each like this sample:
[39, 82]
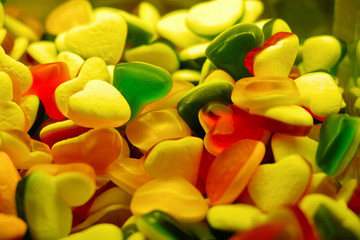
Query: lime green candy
[228, 50]
[191, 103]
[158, 225]
[339, 141]
[141, 83]
[41, 207]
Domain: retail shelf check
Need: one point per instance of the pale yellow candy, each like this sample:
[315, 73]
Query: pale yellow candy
[104, 231]
[319, 93]
[281, 183]
[114, 195]
[322, 183]
[172, 27]
[193, 52]
[18, 72]
[104, 38]
[137, 236]
[218, 75]
[75, 188]
[19, 29]
[99, 104]
[43, 51]
[149, 14]
[19, 48]
[30, 106]
[111, 73]
[284, 145]
[3, 33]
[234, 217]
[6, 93]
[175, 157]
[346, 191]
[23, 151]
[348, 219]
[93, 69]
[210, 18]
[290, 114]
[2, 15]
[158, 54]
[188, 75]
[253, 10]
[73, 61]
[68, 15]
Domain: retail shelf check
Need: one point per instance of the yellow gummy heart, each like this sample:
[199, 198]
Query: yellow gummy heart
[99, 105]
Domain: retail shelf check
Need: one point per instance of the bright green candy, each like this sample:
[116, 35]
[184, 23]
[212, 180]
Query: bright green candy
[228, 50]
[158, 225]
[141, 83]
[339, 141]
[190, 104]
[41, 207]
[329, 227]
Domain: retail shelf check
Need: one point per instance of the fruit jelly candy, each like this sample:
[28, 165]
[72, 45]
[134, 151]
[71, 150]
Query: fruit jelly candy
[200, 19]
[141, 83]
[46, 78]
[218, 75]
[149, 128]
[282, 183]
[210, 114]
[99, 231]
[232, 127]
[100, 147]
[255, 92]
[232, 169]
[191, 103]
[149, 14]
[272, 26]
[228, 50]
[275, 57]
[339, 141]
[11, 227]
[175, 157]
[350, 193]
[172, 195]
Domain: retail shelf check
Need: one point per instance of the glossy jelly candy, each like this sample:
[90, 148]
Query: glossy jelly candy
[141, 83]
[232, 169]
[228, 50]
[339, 141]
[97, 231]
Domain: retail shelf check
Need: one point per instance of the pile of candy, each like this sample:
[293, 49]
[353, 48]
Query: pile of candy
[201, 123]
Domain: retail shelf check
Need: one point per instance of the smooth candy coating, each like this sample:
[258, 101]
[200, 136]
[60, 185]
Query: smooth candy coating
[230, 127]
[149, 14]
[228, 50]
[141, 83]
[266, 231]
[11, 227]
[55, 132]
[158, 54]
[100, 147]
[42, 51]
[9, 178]
[128, 173]
[20, 47]
[193, 57]
[289, 119]
[18, 72]
[321, 53]
[342, 218]
[105, 37]
[46, 78]
[202, 22]
[73, 61]
[174, 196]
[188, 75]
[50, 219]
[93, 68]
[275, 57]
[281, 183]
[99, 104]
[192, 102]
[339, 141]
[232, 169]
[172, 27]
[323, 184]
[68, 15]
[253, 9]
[159, 225]
[218, 75]
[234, 217]
[284, 145]
[175, 157]
[350, 193]
[151, 127]
[179, 88]
[273, 26]
[31, 107]
[319, 93]
[105, 231]
[24, 151]
[261, 92]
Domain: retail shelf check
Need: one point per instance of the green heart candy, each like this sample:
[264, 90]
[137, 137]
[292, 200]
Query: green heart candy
[141, 83]
[159, 225]
[190, 104]
[339, 141]
[228, 50]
